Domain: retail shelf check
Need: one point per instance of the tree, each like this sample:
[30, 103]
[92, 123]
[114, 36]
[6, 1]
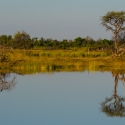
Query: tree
[21, 36]
[78, 41]
[5, 46]
[22, 40]
[114, 21]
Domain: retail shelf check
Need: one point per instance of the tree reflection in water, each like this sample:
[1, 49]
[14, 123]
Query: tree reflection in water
[6, 82]
[113, 106]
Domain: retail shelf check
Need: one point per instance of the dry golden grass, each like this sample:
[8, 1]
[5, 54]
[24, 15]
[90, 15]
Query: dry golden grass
[31, 61]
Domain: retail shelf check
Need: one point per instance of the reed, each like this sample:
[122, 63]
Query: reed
[56, 60]
[57, 53]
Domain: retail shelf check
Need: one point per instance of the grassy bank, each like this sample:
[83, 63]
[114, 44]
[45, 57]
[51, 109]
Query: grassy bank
[32, 61]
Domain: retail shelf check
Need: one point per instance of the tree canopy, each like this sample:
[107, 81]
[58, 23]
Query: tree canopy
[114, 21]
[21, 36]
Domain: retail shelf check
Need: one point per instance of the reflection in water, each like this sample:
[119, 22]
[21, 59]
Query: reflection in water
[113, 106]
[6, 82]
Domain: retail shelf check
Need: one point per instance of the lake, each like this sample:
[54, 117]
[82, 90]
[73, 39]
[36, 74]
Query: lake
[62, 98]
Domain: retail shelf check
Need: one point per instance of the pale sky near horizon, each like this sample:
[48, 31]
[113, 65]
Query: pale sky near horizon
[57, 19]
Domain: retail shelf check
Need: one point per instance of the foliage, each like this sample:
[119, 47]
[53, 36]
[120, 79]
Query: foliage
[114, 21]
[22, 40]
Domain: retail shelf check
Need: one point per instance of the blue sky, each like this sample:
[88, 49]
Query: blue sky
[57, 19]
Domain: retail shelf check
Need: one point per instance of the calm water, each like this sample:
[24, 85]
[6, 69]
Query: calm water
[61, 98]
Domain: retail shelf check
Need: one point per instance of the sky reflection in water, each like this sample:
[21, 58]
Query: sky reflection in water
[61, 98]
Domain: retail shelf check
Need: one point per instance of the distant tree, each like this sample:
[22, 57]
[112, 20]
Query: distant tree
[55, 43]
[34, 39]
[21, 36]
[49, 42]
[88, 38]
[114, 21]
[5, 46]
[64, 44]
[71, 43]
[9, 37]
[22, 40]
[42, 41]
[4, 39]
[78, 41]
[89, 41]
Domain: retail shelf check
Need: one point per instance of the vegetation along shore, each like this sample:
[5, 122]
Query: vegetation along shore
[21, 50]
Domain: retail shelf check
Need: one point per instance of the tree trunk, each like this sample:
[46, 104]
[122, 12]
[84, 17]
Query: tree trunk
[115, 43]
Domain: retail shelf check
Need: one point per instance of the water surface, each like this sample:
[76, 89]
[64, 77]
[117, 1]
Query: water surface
[60, 98]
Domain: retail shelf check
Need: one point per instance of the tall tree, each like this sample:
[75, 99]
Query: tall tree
[21, 36]
[22, 40]
[114, 21]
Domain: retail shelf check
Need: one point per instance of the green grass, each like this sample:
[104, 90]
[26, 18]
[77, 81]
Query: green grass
[31, 61]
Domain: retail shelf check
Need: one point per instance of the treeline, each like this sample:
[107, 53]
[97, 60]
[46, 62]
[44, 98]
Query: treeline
[22, 40]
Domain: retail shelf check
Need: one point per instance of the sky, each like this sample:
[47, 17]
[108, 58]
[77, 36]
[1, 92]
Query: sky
[57, 19]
